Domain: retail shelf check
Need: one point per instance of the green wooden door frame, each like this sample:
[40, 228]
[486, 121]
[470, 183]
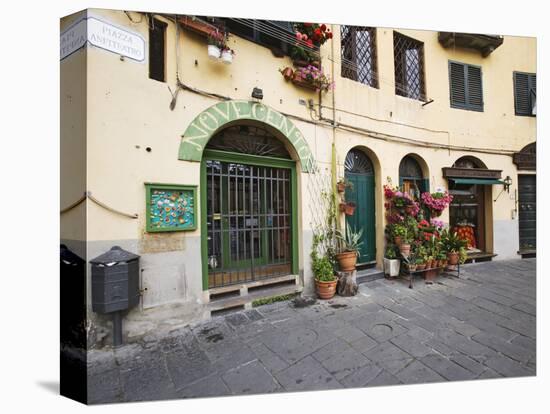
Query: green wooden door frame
[223, 156]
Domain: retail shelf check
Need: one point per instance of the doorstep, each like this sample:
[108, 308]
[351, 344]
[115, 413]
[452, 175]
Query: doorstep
[368, 275]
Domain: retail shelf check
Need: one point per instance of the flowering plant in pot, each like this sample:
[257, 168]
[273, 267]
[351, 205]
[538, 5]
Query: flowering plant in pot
[398, 232]
[405, 246]
[309, 37]
[313, 77]
[349, 243]
[436, 202]
[342, 184]
[217, 40]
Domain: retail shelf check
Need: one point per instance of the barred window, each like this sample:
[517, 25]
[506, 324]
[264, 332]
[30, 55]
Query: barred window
[358, 54]
[409, 67]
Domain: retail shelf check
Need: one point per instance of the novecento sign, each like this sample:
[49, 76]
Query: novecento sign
[102, 35]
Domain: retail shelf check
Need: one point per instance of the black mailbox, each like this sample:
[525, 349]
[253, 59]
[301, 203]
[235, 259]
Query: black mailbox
[115, 285]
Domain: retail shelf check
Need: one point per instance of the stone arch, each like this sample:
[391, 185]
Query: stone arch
[228, 113]
[423, 165]
[469, 161]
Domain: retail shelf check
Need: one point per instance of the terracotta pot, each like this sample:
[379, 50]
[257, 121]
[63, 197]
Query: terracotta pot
[405, 249]
[347, 261]
[397, 240]
[342, 207]
[421, 266]
[287, 73]
[412, 267]
[452, 258]
[326, 290]
[349, 209]
[341, 187]
[303, 83]
[430, 275]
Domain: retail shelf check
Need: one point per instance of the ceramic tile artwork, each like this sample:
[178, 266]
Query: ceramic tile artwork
[172, 209]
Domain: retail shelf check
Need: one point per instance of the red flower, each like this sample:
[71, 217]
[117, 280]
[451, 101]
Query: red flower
[309, 42]
[323, 27]
[317, 32]
[329, 35]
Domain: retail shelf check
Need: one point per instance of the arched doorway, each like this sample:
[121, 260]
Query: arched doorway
[249, 207]
[359, 172]
[411, 177]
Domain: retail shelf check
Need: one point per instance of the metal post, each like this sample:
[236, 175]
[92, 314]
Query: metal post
[117, 329]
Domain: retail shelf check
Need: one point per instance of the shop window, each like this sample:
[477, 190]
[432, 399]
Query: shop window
[465, 86]
[275, 35]
[358, 54]
[411, 179]
[157, 50]
[525, 93]
[409, 67]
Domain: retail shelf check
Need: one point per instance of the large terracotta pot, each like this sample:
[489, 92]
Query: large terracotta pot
[397, 240]
[452, 258]
[326, 290]
[347, 261]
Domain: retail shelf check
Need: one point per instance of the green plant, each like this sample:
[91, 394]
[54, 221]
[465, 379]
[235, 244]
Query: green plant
[462, 255]
[420, 260]
[350, 240]
[218, 38]
[398, 230]
[323, 270]
[272, 299]
[391, 252]
[451, 243]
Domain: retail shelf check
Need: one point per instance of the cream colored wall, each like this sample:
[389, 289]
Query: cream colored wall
[127, 112]
[72, 175]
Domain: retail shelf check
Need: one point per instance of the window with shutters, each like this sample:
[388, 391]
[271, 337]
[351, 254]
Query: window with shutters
[465, 85]
[358, 49]
[273, 34]
[157, 35]
[525, 93]
[408, 56]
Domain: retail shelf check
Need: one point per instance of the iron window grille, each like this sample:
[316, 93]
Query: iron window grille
[525, 93]
[466, 91]
[358, 54]
[409, 67]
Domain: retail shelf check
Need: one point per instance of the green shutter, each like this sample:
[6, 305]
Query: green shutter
[425, 185]
[465, 86]
[525, 89]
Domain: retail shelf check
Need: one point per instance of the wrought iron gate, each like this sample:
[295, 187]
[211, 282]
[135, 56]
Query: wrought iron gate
[248, 218]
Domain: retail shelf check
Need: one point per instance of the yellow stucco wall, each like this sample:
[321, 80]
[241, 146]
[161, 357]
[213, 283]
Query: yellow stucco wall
[128, 112]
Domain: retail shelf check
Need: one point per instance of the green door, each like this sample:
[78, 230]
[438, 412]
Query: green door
[359, 173]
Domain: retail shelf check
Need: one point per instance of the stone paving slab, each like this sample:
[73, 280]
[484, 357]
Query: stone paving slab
[482, 325]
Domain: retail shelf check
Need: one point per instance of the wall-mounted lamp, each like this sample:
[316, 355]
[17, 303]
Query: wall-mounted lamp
[257, 93]
[507, 183]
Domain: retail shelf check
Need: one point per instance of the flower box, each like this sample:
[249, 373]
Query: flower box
[196, 25]
[302, 83]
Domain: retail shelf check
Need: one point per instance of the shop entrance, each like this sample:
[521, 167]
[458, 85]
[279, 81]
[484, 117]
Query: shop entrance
[527, 201]
[250, 207]
[467, 214]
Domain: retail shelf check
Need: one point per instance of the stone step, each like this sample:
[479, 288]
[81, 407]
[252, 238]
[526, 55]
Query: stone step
[368, 275]
[246, 297]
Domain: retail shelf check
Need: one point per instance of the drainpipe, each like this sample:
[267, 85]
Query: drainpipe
[334, 165]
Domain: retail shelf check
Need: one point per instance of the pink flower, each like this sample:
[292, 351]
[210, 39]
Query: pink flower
[298, 35]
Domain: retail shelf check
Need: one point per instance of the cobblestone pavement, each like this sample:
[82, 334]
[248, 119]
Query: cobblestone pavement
[479, 326]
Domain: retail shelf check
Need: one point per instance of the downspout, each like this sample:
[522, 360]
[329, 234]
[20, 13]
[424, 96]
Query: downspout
[334, 165]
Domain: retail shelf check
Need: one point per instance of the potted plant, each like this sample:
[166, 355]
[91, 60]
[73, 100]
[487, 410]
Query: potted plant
[287, 73]
[313, 78]
[452, 244]
[398, 232]
[325, 280]
[348, 208]
[227, 55]
[436, 202]
[405, 246]
[349, 243]
[420, 263]
[391, 262]
[342, 184]
[216, 42]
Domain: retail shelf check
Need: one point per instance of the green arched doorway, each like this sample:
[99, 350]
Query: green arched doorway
[359, 172]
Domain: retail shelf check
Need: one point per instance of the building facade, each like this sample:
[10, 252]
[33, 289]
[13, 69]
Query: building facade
[151, 124]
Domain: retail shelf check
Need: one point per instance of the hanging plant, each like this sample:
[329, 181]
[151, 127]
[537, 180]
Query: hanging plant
[314, 77]
[436, 202]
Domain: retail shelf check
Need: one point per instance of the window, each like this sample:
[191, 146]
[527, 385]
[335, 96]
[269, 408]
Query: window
[358, 48]
[409, 67]
[157, 34]
[275, 35]
[525, 93]
[465, 86]
[411, 179]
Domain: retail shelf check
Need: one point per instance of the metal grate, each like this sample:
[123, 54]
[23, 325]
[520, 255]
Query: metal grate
[248, 223]
[409, 67]
[409, 168]
[358, 162]
[247, 139]
[358, 46]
